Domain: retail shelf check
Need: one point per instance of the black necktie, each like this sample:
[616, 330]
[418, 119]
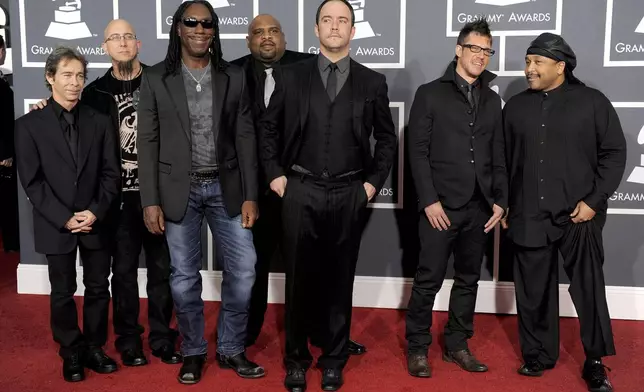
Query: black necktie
[71, 134]
[470, 97]
[332, 81]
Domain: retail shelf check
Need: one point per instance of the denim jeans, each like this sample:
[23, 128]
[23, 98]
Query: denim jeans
[235, 248]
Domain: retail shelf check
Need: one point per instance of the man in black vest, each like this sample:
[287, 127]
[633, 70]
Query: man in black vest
[329, 106]
[267, 45]
[68, 166]
[456, 157]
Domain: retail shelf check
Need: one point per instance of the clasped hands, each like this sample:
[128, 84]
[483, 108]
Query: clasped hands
[81, 222]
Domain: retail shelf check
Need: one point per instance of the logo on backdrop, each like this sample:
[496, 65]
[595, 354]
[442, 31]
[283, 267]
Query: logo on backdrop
[508, 17]
[391, 194]
[379, 41]
[67, 22]
[234, 16]
[630, 193]
[78, 24]
[7, 67]
[624, 36]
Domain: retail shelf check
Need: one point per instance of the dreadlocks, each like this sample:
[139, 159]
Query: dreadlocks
[173, 57]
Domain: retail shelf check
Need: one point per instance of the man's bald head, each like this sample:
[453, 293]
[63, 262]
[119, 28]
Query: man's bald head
[118, 26]
[122, 46]
[265, 39]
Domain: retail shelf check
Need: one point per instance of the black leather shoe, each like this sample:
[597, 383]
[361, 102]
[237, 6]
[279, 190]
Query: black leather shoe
[73, 369]
[465, 360]
[295, 380]
[594, 374]
[99, 362]
[332, 379]
[241, 365]
[418, 366]
[168, 355]
[356, 348]
[532, 369]
[190, 372]
[133, 357]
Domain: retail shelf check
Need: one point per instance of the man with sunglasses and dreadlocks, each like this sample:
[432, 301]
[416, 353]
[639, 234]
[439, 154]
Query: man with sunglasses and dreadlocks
[198, 159]
[116, 94]
[457, 162]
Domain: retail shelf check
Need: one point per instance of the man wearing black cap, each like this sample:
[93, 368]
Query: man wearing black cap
[566, 154]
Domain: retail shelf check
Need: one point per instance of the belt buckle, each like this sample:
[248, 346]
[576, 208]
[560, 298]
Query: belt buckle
[325, 173]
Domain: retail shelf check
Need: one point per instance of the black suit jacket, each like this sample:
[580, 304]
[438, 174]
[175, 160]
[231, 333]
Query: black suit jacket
[7, 118]
[56, 186]
[256, 91]
[448, 155]
[164, 140]
[289, 106]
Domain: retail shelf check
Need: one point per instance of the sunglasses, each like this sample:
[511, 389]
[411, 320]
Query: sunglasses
[192, 23]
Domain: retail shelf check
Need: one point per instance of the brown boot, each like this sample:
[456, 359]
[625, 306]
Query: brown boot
[418, 366]
[465, 360]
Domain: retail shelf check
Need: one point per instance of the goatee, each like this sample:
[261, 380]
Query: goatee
[126, 69]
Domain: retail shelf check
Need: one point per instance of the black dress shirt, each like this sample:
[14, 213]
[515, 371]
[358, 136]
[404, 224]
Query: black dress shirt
[70, 131]
[342, 73]
[463, 86]
[562, 147]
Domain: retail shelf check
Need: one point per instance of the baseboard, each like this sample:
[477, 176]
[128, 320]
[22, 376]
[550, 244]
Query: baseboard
[624, 303]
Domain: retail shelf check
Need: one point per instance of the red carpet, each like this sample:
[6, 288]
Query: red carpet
[29, 360]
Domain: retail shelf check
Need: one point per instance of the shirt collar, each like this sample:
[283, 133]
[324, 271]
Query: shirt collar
[462, 83]
[343, 64]
[555, 93]
[58, 109]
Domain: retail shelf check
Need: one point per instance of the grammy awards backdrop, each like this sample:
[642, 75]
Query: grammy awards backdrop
[411, 42]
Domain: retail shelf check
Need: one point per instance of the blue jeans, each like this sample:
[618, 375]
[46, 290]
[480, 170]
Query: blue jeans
[236, 251]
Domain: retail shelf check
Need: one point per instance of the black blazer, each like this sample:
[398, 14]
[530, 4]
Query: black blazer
[7, 118]
[56, 186]
[164, 140]
[447, 155]
[256, 92]
[290, 106]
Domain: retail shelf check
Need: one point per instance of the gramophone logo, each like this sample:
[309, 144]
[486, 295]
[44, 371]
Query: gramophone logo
[67, 22]
[637, 175]
[363, 27]
[640, 27]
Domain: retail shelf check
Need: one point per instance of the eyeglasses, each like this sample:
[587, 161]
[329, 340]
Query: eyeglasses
[119, 37]
[193, 22]
[477, 49]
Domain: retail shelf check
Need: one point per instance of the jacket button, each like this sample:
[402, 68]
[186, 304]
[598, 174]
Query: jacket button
[471, 124]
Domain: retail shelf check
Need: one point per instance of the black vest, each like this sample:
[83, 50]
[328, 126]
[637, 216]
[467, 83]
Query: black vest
[328, 140]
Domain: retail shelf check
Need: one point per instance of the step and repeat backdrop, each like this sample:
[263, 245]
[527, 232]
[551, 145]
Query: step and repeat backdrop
[411, 42]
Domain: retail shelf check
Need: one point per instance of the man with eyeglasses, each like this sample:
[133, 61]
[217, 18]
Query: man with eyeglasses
[455, 153]
[116, 94]
[198, 159]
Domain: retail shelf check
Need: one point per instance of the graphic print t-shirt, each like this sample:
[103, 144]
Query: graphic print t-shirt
[126, 94]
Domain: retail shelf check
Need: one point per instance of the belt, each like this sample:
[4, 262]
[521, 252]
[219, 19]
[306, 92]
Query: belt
[347, 177]
[204, 175]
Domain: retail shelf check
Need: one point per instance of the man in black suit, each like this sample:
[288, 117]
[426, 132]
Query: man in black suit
[267, 45]
[456, 158]
[198, 159]
[9, 192]
[316, 153]
[68, 166]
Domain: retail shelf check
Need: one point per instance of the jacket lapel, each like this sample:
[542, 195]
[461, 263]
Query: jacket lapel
[176, 91]
[52, 129]
[305, 88]
[86, 132]
[358, 98]
[218, 96]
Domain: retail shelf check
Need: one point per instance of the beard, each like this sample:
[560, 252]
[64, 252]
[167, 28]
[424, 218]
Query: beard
[126, 68]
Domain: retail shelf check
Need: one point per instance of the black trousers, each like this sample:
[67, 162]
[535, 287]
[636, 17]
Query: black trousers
[267, 235]
[9, 209]
[537, 293]
[322, 224]
[129, 238]
[63, 313]
[466, 239]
